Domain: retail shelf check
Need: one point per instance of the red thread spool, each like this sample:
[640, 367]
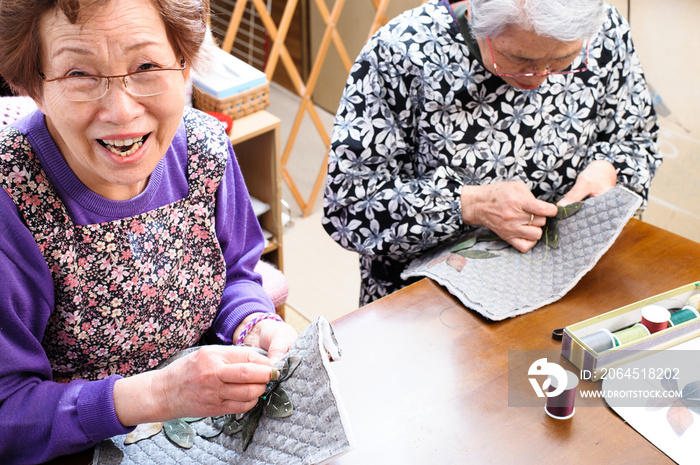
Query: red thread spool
[561, 407]
[655, 318]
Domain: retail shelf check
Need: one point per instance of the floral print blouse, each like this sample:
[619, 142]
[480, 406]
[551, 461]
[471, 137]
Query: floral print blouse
[128, 293]
[420, 117]
[97, 289]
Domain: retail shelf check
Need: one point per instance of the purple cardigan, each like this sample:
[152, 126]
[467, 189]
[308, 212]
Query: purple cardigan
[41, 419]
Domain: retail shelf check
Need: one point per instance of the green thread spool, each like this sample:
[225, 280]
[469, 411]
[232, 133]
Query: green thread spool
[637, 331]
[686, 314]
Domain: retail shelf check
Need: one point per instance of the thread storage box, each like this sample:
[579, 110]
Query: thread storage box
[585, 357]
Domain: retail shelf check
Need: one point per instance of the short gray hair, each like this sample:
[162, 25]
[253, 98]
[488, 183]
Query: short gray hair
[564, 20]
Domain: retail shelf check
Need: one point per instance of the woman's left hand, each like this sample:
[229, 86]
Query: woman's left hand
[276, 337]
[596, 179]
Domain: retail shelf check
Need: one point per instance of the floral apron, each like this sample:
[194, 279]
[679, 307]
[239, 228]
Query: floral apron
[132, 292]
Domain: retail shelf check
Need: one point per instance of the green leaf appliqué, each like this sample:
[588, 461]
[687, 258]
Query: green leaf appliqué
[180, 432]
[477, 254]
[551, 227]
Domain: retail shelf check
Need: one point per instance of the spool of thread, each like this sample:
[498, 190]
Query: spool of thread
[637, 331]
[693, 301]
[600, 341]
[561, 407]
[685, 314]
[655, 318]
[676, 301]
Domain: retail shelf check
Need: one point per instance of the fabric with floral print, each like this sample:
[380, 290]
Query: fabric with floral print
[420, 117]
[128, 293]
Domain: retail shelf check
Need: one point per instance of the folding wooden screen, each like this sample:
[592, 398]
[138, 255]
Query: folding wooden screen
[305, 89]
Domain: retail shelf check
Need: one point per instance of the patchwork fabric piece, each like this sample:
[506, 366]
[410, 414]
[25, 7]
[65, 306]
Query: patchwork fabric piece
[316, 431]
[513, 283]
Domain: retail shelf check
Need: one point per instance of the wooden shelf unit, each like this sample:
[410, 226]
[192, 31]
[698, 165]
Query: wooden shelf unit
[256, 142]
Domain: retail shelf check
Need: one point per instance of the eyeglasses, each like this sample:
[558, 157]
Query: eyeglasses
[547, 72]
[142, 83]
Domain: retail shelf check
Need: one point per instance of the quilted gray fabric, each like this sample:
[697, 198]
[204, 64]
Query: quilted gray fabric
[515, 283]
[315, 431]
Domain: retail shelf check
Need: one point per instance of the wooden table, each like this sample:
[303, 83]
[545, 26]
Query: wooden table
[425, 380]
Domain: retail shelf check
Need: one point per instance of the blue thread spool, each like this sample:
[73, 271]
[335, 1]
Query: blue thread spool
[634, 332]
[600, 341]
[685, 314]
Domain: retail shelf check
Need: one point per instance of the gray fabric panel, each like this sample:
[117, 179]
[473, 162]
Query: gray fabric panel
[313, 433]
[515, 283]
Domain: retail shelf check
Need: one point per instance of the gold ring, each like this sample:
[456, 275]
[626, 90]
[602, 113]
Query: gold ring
[532, 218]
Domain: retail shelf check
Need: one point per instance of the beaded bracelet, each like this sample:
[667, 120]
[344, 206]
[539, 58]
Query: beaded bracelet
[253, 322]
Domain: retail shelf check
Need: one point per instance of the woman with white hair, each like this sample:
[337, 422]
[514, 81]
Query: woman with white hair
[488, 113]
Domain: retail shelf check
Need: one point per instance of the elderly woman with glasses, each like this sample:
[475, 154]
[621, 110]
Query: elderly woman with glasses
[458, 115]
[127, 232]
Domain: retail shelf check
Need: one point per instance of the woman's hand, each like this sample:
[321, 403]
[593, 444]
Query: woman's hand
[508, 209]
[276, 337]
[596, 179]
[214, 380]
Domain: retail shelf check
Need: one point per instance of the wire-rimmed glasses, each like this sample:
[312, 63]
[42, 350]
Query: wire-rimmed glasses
[142, 83]
[547, 72]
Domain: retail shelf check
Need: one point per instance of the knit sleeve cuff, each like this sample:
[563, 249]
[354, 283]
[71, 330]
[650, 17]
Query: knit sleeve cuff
[96, 410]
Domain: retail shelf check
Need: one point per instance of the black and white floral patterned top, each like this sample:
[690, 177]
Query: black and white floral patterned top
[420, 117]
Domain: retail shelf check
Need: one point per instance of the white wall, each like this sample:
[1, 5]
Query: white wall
[668, 42]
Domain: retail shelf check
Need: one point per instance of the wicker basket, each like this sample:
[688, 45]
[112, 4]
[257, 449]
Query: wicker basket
[237, 106]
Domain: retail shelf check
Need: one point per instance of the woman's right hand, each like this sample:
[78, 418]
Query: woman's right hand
[214, 380]
[509, 210]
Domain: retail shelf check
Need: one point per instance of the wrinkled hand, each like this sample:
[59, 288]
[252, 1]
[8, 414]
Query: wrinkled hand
[211, 381]
[508, 209]
[215, 380]
[596, 179]
[276, 337]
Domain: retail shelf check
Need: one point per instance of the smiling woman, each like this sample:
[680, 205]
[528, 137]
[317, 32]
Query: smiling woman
[121, 37]
[128, 234]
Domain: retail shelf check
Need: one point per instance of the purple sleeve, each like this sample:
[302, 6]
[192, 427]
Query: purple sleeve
[39, 419]
[242, 244]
